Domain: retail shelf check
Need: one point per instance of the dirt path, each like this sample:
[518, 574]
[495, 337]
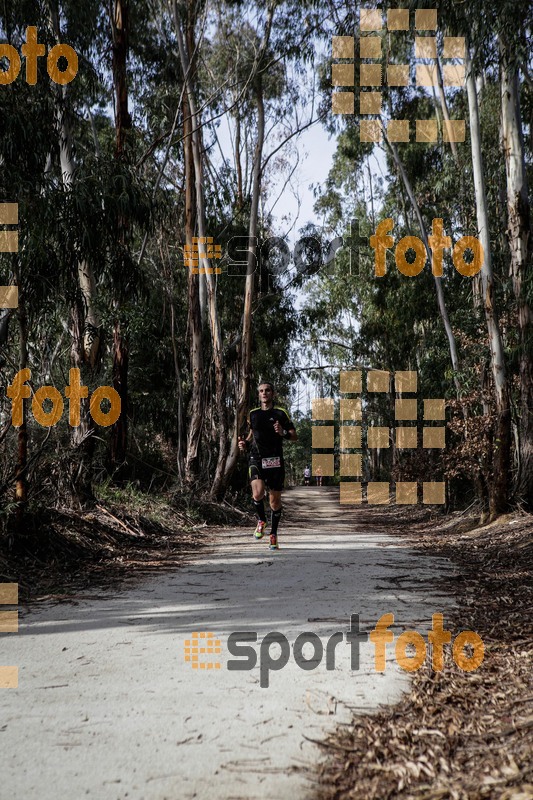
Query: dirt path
[107, 706]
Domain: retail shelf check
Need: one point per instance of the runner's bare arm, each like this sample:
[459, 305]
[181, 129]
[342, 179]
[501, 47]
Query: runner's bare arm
[286, 433]
[243, 440]
[292, 435]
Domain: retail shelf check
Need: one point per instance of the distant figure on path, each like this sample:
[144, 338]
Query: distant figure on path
[318, 473]
[307, 475]
[269, 425]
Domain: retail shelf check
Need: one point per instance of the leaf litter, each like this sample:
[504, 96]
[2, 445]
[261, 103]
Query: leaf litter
[456, 735]
[63, 552]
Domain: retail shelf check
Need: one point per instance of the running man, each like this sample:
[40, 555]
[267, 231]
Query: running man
[269, 425]
[307, 475]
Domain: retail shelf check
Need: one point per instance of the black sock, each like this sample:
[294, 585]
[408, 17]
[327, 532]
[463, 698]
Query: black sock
[276, 516]
[259, 506]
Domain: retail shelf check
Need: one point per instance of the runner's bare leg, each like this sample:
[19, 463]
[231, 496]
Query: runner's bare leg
[258, 489]
[275, 500]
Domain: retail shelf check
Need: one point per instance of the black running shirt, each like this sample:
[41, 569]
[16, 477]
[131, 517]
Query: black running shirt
[266, 441]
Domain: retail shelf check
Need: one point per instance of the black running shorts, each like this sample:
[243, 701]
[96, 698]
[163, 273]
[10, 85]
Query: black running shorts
[266, 470]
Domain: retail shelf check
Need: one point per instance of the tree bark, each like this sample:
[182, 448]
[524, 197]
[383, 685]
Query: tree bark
[120, 30]
[445, 111]
[520, 246]
[21, 481]
[243, 398]
[205, 264]
[119, 435]
[120, 38]
[194, 323]
[238, 165]
[499, 486]
[86, 327]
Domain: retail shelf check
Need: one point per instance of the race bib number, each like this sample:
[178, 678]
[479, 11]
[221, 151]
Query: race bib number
[270, 463]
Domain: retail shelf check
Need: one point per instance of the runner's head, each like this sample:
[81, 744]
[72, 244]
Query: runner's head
[266, 394]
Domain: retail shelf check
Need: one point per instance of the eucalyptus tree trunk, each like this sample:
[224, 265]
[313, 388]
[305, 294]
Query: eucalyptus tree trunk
[89, 343]
[499, 487]
[120, 40]
[520, 246]
[85, 323]
[85, 351]
[197, 403]
[238, 165]
[445, 111]
[243, 398]
[179, 389]
[204, 263]
[245, 371]
[21, 480]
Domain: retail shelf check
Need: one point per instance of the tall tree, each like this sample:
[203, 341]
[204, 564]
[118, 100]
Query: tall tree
[521, 249]
[119, 12]
[85, 322]
[502, 440]
[205, 265]
[195, 415]
[243, 397]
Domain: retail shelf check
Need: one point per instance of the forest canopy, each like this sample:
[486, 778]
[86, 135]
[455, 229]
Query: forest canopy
[180, 125]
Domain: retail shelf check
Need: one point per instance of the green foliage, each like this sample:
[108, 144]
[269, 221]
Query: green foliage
[112, 209]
